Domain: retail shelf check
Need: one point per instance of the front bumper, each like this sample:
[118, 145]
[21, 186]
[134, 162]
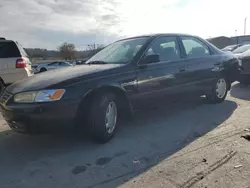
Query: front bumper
[28, 118]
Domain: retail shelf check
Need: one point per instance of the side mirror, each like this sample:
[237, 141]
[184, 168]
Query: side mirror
[153, 58]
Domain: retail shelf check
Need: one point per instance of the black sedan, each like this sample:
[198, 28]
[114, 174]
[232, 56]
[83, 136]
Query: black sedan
[127, 75]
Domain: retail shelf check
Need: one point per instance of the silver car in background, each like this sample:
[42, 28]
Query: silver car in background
[42, 67]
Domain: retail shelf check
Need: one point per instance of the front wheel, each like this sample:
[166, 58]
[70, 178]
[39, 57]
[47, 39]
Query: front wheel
[103, 117]
[218, 91]
[1, 86]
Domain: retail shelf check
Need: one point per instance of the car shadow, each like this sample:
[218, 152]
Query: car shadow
[152, 136]
[240, 91]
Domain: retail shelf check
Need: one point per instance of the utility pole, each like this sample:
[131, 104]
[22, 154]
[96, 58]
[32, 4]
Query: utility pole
[237, 38]
[245, 25]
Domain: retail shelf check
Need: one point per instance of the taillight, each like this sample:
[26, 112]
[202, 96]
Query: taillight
[20, 63]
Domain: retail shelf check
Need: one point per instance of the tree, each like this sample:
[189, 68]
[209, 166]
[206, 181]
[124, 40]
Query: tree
[37, 52]
[94, 48]
[67, 51]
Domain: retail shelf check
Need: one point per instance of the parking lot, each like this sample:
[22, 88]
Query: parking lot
[192, 144]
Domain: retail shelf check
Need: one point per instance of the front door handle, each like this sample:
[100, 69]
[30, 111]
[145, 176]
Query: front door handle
[182, 69]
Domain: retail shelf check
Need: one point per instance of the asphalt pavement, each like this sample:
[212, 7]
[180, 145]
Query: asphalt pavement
[190, 144]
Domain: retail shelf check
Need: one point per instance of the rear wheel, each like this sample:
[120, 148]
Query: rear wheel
[103, 117]
[43, 70]
[218, 91]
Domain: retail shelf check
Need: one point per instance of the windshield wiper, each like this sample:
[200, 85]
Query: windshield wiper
[97, 62]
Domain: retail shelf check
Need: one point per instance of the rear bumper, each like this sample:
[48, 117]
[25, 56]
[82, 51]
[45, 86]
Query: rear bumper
[28, 118]
[13, 75]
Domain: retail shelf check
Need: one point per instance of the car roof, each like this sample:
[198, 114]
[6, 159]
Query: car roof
[3, 41]
[245, 45]
[158, 35]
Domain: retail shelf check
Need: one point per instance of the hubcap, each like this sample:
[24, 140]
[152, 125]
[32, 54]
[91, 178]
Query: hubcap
[111, 116]
[221, 88]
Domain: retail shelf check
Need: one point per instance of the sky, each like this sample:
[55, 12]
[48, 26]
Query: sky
[48, 23]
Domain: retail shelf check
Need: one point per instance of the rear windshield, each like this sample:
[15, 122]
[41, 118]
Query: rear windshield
[242, 49]
[9, 49]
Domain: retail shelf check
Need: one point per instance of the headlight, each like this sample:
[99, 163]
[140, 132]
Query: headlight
[240, 62]
[39, 96]
[26, 97]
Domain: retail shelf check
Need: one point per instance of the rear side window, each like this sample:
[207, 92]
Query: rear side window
[194, 47]
[53, 64]
[9, 50]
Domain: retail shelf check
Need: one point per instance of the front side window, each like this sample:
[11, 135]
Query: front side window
[166, 47]
[64, 64]
[53, 64]
[120, 52]
[194, 47]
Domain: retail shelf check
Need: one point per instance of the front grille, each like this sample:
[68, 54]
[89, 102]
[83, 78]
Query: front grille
[246, 64]
[5, 97]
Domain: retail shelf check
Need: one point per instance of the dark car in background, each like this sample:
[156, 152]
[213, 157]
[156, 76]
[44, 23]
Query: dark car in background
[126, 76]
[244, 62]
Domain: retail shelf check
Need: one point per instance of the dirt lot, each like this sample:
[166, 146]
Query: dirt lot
[192, 144]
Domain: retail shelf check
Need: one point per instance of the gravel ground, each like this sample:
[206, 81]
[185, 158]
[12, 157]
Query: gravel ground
[192, 144]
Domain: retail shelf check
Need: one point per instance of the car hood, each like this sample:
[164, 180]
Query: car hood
[50, 78]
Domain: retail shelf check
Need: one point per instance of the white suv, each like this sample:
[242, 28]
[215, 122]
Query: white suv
[14, 63]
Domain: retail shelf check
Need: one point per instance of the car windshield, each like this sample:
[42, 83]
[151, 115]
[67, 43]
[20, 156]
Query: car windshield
[120, 52]
[241, 49]
[229, 47]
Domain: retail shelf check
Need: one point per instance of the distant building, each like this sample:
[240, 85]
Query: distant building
[223, 41]
[244, 39]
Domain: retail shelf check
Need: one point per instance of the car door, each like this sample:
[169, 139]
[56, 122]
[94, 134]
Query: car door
[53, 65]
[164, 78]
[200, 64]
[61, 64]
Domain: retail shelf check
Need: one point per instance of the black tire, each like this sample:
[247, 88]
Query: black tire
[97, 118]
[213, 96]
[43, 70]
[1, 86]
